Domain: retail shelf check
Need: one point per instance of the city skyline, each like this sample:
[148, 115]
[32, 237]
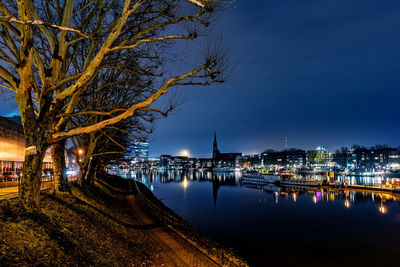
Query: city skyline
[187, 153]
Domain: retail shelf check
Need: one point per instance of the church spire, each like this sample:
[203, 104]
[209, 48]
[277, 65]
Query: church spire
[215, 154]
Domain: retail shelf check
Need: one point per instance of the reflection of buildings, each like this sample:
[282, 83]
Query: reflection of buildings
[217, 180]
[12, 146]
[215, 186]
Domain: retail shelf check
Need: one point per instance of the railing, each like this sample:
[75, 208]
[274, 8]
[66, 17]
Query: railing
[10, 189]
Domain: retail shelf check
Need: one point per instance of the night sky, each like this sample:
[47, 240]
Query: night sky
[321, 72]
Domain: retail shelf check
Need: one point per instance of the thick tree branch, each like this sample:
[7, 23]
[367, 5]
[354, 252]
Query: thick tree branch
[128, 113]
[42, 23]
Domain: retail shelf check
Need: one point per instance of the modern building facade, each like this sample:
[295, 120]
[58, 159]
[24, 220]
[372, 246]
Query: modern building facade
[372, 159]
[140, 151]
[12, 146]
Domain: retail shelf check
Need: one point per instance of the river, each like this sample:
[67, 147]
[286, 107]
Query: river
[282, 227]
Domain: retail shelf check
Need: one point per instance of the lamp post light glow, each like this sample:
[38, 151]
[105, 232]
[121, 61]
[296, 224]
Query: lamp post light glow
[185, 153]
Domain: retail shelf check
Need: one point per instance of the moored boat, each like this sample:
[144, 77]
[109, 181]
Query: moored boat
[300, 182]
[260, 178]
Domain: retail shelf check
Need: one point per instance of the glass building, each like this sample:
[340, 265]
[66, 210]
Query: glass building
[140, 151]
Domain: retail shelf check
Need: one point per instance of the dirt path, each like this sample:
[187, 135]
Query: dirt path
[177, 250]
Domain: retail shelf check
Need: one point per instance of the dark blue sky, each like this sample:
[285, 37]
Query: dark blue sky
[321, 72]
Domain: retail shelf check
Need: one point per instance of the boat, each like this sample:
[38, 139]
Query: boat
[259, 178]
[300, 182]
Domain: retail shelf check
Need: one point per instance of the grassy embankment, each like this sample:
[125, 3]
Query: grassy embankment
[88, 227]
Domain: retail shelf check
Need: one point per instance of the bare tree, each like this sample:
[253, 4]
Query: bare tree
[40, 43]
[114, 87]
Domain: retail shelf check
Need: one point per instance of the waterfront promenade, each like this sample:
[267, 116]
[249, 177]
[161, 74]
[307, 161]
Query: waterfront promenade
[108, 224]
[176, 250]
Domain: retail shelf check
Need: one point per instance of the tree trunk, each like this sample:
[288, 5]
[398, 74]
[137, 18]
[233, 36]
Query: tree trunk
[58, 156]
[100, 170]
[89, 177]
[30, 183]
[81, 176]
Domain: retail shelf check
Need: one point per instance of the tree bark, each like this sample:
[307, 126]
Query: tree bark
[31, 180]
[81, 176]
[89, 176]
[58, 156]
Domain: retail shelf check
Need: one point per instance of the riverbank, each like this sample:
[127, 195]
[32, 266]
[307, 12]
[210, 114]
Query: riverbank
[108, 224]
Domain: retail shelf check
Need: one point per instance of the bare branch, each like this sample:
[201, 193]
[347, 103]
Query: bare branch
[158, 39]
[104, 113]
[128, 113]
[40, 22]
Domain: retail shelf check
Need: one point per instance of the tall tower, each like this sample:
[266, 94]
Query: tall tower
[216, 152]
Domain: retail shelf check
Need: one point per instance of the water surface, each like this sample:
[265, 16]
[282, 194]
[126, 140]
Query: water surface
[280, 226]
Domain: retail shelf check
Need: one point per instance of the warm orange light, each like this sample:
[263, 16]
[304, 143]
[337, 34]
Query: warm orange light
[12, 151]
[347, 204]
[382, 209]
[185, 153]
[185, 183]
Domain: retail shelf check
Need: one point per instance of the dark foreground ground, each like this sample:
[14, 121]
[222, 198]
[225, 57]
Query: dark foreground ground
[108, 224]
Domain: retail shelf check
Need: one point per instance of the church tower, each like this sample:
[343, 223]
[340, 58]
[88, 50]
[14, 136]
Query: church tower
[216, 152]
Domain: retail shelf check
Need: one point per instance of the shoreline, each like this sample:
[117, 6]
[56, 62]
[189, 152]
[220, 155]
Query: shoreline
[160, 212]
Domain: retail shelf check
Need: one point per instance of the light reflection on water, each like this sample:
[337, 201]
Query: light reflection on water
[267, 224]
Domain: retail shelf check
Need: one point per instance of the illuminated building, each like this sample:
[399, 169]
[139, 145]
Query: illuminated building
[12, 146]
[320, 158]
[288, 158]
[140, 151]
[341, 158]
[376, 158]
[254, 161]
